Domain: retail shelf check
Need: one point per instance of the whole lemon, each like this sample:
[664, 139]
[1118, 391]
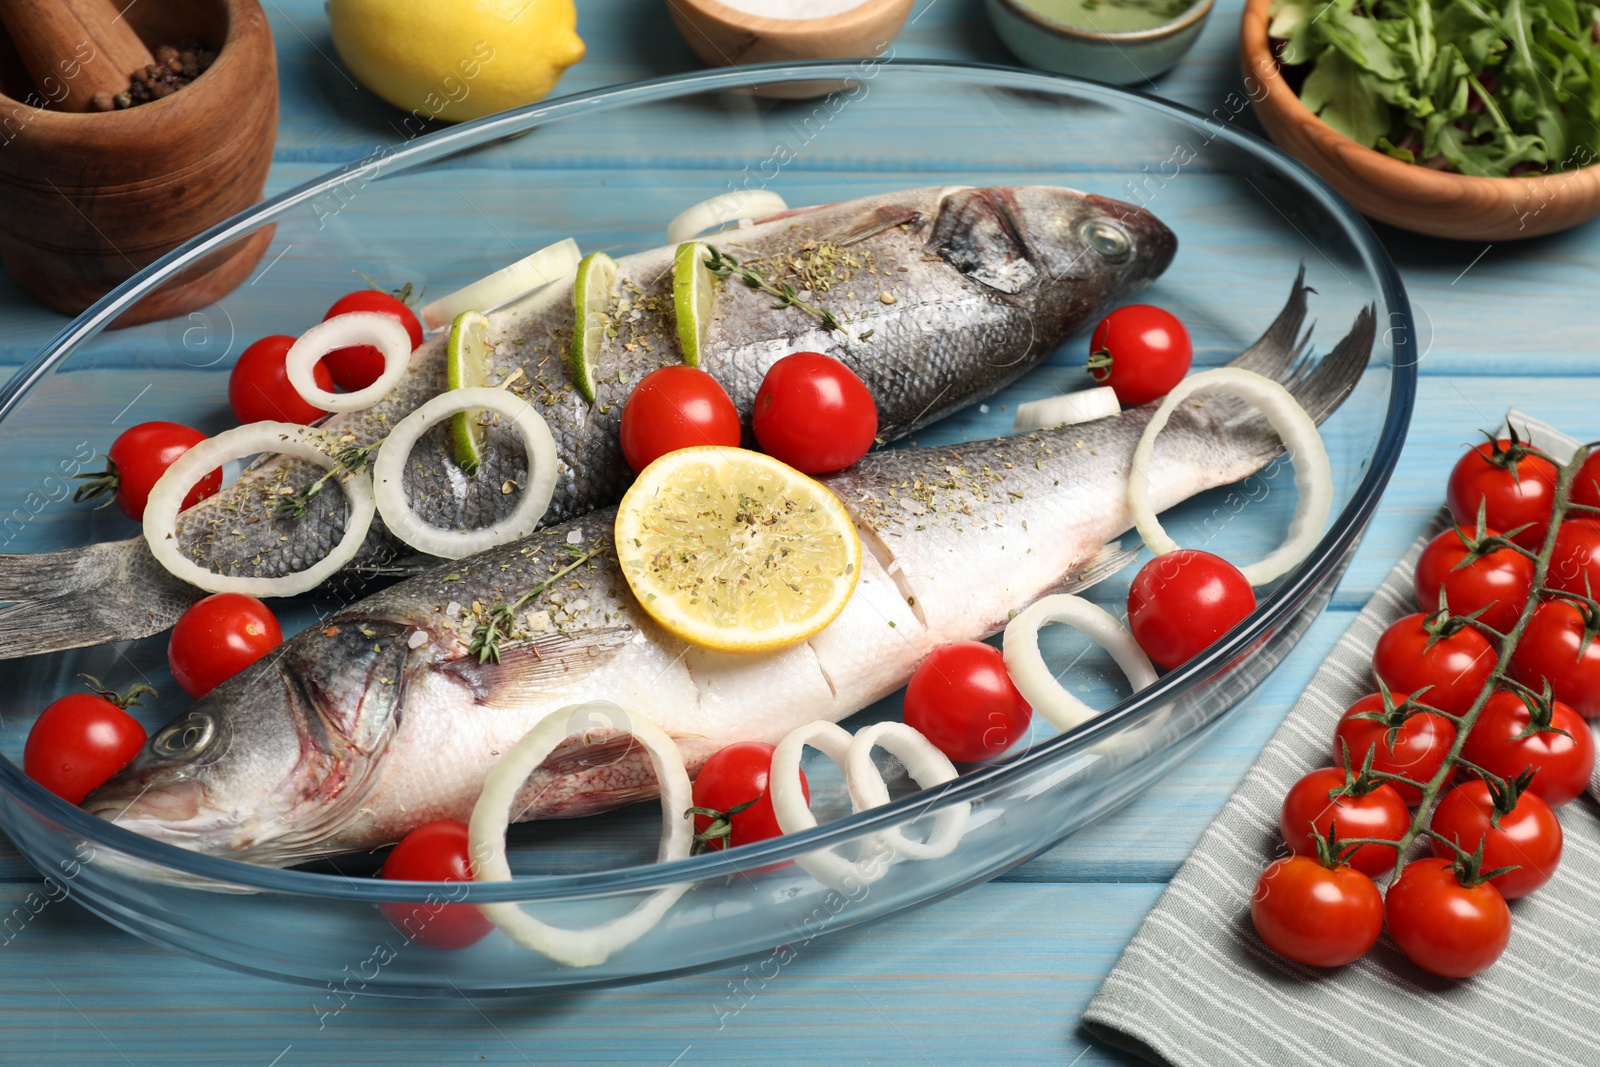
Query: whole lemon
[456, 59]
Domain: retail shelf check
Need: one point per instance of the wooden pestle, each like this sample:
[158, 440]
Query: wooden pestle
[74, 49]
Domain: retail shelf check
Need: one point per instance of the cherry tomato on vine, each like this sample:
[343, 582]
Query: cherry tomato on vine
[1527, 837]
[1379, 813]
[1575, 560]
[1313, 915]
[259, 389]
[1442, 926]
[1561, 754]
[1555, 648]
[1586, 485]
[672, 408]
[219, 637]
[1454, 665]
[1141, 351]
[814, 414]
[81, 741]
[732, 777]
[138, 459]
[962, 699]
[434, 852]
[1515, 489]
[1499, 582]
[358, 366]
[1182, 601]
[1405, 741]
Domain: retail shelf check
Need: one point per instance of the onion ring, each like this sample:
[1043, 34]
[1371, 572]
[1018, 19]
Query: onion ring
[793, 811]
[1313, 474]
[1068, 409]
[282, 438]
[926, 765]
[388, 474]
[1032, 677]
[738, 205]
[373, 328]
[486, 833]
[549, 264]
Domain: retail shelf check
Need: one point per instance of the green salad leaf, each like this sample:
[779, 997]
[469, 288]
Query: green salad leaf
[1485, 87]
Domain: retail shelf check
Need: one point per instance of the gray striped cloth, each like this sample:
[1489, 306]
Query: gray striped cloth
[1197, 987]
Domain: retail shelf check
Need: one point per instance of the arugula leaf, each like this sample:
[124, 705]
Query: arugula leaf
[1339, 92]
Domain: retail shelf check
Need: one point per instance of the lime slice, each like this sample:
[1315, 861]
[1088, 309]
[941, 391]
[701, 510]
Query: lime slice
[694, 293]
[591, 297]
[466, 366]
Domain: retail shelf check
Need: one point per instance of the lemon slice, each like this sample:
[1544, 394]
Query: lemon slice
[694, 293]
[466, 366]
[733, 551]
[591, 297]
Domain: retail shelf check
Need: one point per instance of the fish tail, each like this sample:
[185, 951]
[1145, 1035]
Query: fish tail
[114, 591]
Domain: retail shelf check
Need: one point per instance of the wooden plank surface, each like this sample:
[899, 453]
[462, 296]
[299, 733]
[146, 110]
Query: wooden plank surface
[998, 974]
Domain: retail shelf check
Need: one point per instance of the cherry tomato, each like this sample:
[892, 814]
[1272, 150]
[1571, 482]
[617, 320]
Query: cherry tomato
[1316, 916]
[1575, 561]
[1380, 813]
[814, 414]
[1527, 837]
[1562, 762]
[1586, 486]
[1415, 747]
[1182, 601]
[434, 852]
[673, 408]
[1515, 489]
[259, 389]
[962, 699]
[734, 776]
[358, 366]
[1141, 351]
[219, 637]
[1500, 582]
[138, 459]
[1443, 926]
[79, 743]
[1554, 648]
[1455, 668]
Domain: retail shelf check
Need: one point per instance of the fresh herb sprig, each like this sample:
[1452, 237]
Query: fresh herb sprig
[724, 265]
[348, 461]
[500, 621]
[1485, 87]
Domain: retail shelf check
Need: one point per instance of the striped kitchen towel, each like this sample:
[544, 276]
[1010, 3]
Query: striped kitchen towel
[1197, 987]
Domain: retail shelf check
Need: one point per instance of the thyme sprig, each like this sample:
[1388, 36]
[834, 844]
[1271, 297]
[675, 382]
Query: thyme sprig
[348, 461]
[500, 621]
[724, 265]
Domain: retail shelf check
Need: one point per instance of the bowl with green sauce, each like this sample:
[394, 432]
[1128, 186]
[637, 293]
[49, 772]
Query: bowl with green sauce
[1123, 42]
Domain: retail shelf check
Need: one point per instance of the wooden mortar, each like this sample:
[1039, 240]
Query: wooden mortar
[87, 200]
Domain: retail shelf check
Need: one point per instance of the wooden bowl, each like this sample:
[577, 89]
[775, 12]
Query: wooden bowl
[86, 200]
[723, 36]
[1438, 203]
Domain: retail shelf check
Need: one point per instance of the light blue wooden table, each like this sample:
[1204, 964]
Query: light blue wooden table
[999, 974]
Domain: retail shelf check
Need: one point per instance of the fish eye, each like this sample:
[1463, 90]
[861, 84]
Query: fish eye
[1106, 239]
[187, 736]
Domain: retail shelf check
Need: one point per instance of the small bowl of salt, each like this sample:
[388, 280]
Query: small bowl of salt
[736, 33]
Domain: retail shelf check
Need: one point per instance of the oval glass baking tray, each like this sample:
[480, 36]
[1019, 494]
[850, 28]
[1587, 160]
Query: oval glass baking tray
[610, 168]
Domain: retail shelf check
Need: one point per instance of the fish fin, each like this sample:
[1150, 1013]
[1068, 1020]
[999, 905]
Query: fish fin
[1106, 561]
[874, 222]
[527, 670]
[1281, 348]
[112, 591]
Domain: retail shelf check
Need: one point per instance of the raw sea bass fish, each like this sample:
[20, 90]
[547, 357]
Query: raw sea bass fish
[379, 719]
[945, 295]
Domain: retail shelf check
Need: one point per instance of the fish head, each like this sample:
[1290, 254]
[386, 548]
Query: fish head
[270, 764]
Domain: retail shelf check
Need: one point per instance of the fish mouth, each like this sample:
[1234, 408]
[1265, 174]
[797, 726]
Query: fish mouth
[175, 802]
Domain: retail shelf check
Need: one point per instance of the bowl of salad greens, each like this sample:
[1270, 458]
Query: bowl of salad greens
[1472, 119]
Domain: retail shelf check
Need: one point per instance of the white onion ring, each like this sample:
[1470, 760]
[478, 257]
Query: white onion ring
[926, 765]
[1068, 409]
[1313, 474]
[486, 833]
[382, 332]
[282, 438]
[549, 264]
[793, 811]
[388, 474]
[1032, 676]
[729, 207]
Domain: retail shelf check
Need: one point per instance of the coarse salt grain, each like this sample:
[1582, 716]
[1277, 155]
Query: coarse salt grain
[575, 537]
[793, 9]
[417, 639]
